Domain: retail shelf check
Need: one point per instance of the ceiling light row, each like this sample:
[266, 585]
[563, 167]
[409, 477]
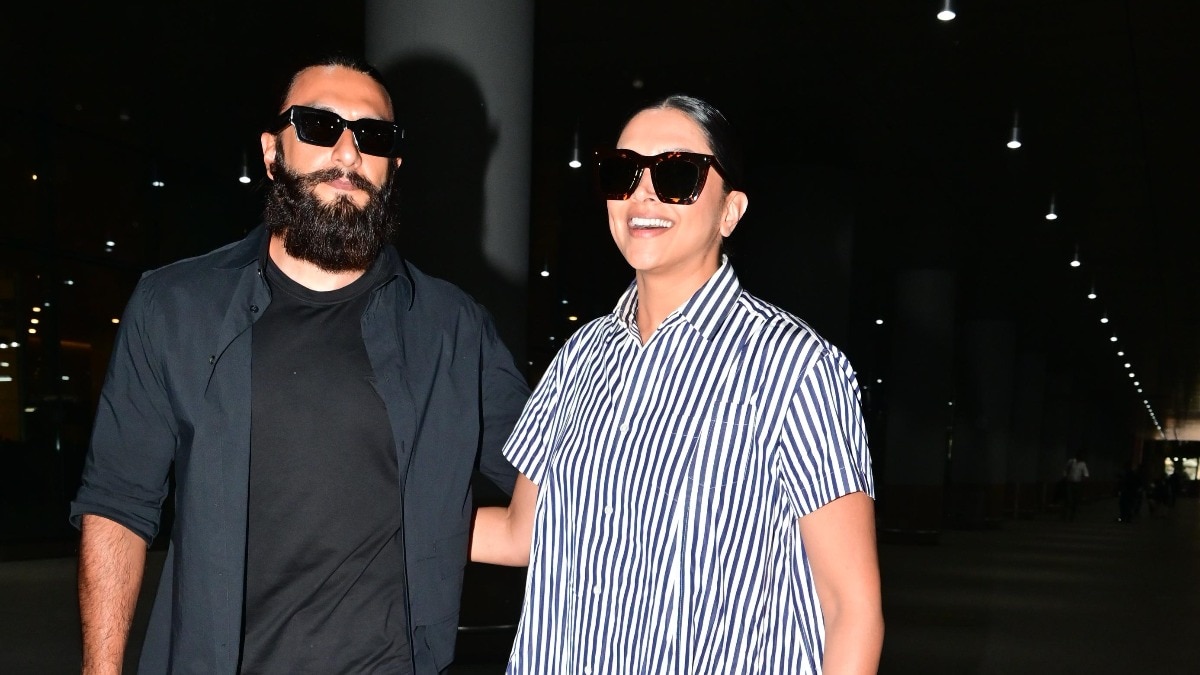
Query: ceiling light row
[1127, 364]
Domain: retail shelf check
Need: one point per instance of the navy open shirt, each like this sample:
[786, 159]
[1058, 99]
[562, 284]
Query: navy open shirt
[177, 392]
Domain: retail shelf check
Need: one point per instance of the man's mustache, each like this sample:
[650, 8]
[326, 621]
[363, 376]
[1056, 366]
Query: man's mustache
[311, 180]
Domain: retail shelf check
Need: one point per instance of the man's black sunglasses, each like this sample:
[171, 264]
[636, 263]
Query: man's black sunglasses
[323, 127]
[678, 177]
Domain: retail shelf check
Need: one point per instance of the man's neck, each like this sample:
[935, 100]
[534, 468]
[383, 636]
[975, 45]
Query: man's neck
[306, 273]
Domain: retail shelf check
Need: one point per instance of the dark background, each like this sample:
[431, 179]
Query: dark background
[875, 138]
[871, 128]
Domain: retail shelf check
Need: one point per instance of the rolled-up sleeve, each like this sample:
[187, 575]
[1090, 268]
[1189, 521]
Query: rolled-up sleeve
[125, 476]
[504, 394]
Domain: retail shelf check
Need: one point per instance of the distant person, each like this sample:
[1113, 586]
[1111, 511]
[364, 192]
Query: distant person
[696, 483]
[1129, 496]
[322, 404]
[1157, 498]
[1074, 474]
[1174, 484]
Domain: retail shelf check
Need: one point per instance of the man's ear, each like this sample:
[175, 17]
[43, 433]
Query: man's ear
[736, 203]
[268, 150]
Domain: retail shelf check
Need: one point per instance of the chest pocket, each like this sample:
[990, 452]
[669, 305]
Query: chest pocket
[724, 453]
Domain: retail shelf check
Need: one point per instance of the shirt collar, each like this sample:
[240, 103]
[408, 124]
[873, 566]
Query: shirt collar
[250, 250]
[705, 311]
[244, 252]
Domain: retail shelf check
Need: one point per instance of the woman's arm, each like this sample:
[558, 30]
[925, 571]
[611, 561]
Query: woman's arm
[502, 535]
[840, 540]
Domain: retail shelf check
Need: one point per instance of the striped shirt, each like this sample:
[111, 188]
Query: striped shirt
[671, 477]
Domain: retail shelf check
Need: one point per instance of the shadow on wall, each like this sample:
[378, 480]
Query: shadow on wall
[448, 144]
[440, 191]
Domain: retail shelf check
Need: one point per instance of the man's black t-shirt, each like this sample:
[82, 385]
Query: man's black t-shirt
[325, 584]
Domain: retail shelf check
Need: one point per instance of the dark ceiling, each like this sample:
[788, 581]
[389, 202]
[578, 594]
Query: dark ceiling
[909, 115]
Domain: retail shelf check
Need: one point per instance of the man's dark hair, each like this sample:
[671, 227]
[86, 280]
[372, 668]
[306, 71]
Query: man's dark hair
[354, 63]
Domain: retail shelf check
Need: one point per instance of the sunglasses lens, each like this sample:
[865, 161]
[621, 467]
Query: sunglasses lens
[616, 174]
[317, 127]
[676, 179]
[324, 128]
[375, 137]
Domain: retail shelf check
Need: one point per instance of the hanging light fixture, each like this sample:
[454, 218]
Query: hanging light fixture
[1092, 293]
[245, 177]
[947, 13]
[575, 163]
[1052, 214]
[1104, 318]
[545, 270]
[155, 181]
[1015, 141]
[1075, 261]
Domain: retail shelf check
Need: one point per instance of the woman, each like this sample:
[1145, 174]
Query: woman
[695, 488]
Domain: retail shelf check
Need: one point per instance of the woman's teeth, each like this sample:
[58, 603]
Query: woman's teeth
[646, 223]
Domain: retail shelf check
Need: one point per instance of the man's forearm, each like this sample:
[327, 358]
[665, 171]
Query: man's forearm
[111, 561]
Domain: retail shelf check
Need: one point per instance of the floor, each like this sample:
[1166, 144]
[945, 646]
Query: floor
[1034, 596]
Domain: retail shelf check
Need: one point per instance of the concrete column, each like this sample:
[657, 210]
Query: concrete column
[462, 76]
[983, 429]
[1057, 433]
[1024, 492]
[920, 386]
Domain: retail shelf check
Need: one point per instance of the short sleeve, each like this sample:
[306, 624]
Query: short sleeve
[823, 452]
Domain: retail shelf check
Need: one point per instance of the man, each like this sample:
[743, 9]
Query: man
[323, 405]
[1074, 474]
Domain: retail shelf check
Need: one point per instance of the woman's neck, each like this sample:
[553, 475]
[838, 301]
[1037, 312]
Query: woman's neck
[661, 294]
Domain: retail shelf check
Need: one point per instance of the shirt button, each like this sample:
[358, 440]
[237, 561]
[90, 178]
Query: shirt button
[596, 590]
[587, 670]
[624, 426]
[254, 309]
[608, 510]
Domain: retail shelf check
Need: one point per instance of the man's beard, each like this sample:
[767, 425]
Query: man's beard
[336, 236]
